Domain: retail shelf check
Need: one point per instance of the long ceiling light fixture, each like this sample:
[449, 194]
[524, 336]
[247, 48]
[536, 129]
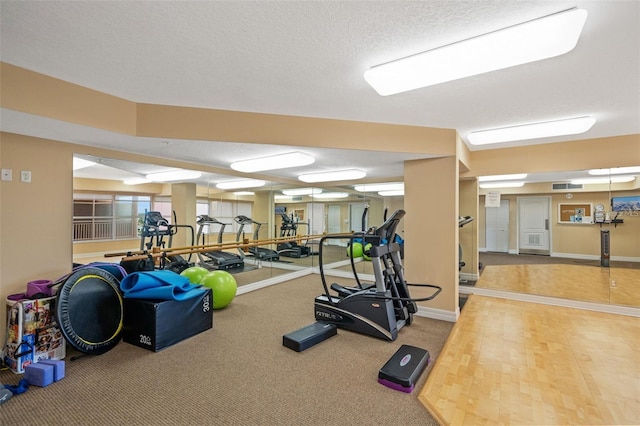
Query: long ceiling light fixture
[615, 171]
[374, 187]
[570, 126]
[241, 184]
[491, 185]
[517, 176]
[326, 195]
[301, 191]
[603, 180]
[282, 161]
[531, 41]
[391, 193]
[173, 175]
[332, 176]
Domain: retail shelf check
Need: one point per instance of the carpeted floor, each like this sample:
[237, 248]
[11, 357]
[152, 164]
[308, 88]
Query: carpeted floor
[237, 373]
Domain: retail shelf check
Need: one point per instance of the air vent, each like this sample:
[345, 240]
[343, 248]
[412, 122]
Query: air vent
[296, 198]
[564, 186]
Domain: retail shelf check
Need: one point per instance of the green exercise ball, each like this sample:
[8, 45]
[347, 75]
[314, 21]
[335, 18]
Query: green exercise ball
[366, 251]
[355, 249]
[223, 287]
[195, 274]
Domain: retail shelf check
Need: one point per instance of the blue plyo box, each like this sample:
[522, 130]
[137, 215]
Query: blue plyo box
[39, 374]
[58, 368]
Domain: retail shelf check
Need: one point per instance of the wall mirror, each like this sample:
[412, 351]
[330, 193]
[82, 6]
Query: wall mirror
[568, 222]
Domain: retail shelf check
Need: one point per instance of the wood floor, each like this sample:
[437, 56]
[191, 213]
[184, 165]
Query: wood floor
[574, 282]
[520, 363]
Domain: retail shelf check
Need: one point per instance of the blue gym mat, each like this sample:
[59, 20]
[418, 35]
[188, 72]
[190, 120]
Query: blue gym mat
[162, 285]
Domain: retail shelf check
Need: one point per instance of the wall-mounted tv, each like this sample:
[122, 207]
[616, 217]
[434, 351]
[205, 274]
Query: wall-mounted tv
[625, 204]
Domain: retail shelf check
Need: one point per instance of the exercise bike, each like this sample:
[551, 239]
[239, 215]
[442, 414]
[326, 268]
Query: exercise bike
[382, 309]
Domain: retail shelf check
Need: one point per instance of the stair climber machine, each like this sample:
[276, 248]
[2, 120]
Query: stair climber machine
[155, 228]
[216, 259]
[382, 309]
[260, 253]
[289, 228]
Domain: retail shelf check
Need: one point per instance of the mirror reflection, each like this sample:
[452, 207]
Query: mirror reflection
[589, 232]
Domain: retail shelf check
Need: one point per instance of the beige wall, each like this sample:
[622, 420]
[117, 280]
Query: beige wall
[431, 199]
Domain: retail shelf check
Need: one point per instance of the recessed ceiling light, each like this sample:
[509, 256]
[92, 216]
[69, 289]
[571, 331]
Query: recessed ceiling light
[391, 193]
[173, 175]
[332, 176]
[136, 181]
[301, 191]
[80, 163]
[244, 193]
[517, 176]
[614, 171]
[570, 126]
[282, 161]
[373, 187]
[237, 184]
[501, 185]
[531, 41]
[603, 180]
[331, 195]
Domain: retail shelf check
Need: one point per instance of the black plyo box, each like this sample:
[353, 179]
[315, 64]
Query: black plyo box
[404, 368]
[308, 336]
[158, 324]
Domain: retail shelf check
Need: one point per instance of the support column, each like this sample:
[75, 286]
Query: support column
[183, 202]
[431, 232]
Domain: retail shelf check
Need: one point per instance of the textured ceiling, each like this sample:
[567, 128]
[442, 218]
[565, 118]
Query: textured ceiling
[307, 58]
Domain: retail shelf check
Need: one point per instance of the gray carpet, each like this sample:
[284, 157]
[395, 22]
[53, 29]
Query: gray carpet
[237, 373]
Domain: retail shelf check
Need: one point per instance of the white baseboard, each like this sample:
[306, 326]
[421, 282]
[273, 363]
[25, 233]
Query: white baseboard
[272, 281]
[438, 314]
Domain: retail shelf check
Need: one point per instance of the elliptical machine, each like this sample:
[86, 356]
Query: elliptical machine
[383, 309]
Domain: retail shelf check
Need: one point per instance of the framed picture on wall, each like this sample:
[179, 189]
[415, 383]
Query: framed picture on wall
[575, 213]
[626, 204]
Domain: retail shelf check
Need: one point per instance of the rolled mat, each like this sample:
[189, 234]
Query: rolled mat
[162, 285]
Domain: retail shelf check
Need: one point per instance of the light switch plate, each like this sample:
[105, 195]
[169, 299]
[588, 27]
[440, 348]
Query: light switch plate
[7, 174]
[25, 176]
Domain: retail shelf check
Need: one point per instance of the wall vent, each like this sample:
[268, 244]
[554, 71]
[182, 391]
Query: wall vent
[565, 186]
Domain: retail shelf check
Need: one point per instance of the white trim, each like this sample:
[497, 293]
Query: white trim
[553, 301]
[438, 314]
[468, 277]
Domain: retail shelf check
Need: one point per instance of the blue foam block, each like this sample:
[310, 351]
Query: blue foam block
[58, 368]
[39, 374]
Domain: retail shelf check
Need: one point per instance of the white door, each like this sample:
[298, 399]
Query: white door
[333, 220]
[533, 225]
[356, 210]
[497, 227]
[316, 218]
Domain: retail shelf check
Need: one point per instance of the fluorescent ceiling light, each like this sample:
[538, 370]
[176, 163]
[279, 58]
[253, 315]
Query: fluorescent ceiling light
[603, 180]
[391, 193]
[501, 185]
[136, 181]
[570, 126]
[79, 163]
[238, 184]
[173, 175]
[517, 176]
[531, 41]
[332, 176]
[331, 195]
[281, 197]
[301, 191]
[291, 159]
[244, 193]
[615, 171]
[372, 187]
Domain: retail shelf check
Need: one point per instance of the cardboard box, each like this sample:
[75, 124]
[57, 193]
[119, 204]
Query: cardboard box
[158, 324]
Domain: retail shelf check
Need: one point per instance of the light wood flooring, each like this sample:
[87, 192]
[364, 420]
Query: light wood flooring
[574, 282]
[520, 363]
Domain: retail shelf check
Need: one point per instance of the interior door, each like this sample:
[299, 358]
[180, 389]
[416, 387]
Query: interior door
[497, 227]
[533, 225]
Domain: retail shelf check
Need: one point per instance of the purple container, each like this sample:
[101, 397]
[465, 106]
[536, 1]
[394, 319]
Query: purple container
[39, 286]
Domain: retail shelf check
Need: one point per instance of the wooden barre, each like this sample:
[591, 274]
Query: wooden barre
[138, 255]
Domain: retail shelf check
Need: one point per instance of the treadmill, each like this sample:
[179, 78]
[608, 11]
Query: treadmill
[289, 228]
[213, 260]
[260, 253]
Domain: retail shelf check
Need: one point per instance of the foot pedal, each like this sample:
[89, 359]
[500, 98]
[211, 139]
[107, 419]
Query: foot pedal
[404, 368]
[308, 336]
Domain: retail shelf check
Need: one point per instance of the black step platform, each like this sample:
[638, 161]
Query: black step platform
[308, 336]
[404, 368]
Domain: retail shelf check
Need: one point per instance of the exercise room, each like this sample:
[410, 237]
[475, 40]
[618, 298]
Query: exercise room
[320, 213]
